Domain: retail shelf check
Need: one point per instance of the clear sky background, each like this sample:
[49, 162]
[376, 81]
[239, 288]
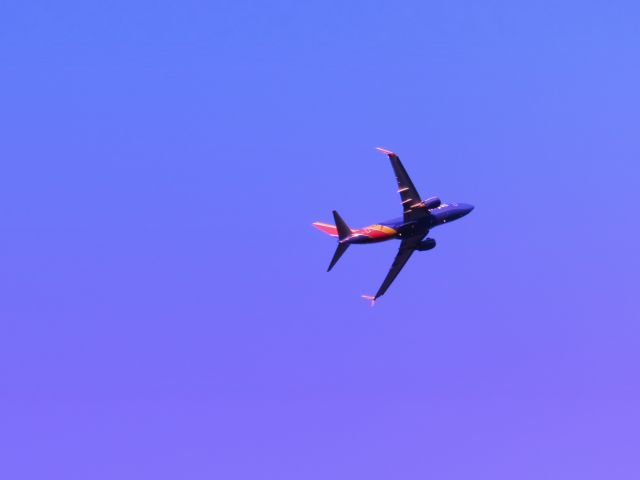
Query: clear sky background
[165, 311]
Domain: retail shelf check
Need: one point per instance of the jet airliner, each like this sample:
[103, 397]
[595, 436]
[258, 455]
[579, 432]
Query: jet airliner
[419, 216]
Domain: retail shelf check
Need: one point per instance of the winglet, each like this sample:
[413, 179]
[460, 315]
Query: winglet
[371, 298]
[384, 151]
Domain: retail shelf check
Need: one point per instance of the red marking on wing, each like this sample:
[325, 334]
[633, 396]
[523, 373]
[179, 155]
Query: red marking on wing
[371, 298]
[384, 151]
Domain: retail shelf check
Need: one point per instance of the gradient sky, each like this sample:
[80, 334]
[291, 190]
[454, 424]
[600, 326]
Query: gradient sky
[165, 311]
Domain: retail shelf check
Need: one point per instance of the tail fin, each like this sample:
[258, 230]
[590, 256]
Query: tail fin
[343, 230]
[342, 247]
[334, 230]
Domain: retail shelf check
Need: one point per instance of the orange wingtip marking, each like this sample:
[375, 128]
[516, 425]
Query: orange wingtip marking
[370, 298]
[388, 152]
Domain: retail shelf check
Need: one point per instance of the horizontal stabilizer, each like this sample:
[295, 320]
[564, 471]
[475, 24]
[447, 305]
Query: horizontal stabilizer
[326, 228]
[342, 247]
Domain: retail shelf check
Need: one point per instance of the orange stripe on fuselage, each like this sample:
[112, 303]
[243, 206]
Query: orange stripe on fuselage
[376, 231]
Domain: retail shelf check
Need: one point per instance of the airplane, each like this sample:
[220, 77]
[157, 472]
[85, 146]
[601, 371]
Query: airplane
[419, 216]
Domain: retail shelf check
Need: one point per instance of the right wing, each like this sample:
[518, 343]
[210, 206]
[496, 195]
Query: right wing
[413, 208]
[407, 247]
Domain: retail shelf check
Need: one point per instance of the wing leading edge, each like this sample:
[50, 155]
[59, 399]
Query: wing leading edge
[412, 206]
[413, 209]
[407, 247]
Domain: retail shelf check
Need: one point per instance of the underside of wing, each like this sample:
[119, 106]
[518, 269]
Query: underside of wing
[407, 247]
[412, 206]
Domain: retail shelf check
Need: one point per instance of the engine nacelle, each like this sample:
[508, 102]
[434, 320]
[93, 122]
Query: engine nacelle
[426, 244]
[432, 202]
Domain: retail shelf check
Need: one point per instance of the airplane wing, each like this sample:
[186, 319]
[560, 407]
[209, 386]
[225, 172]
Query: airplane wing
[412, 206]
[407, 247]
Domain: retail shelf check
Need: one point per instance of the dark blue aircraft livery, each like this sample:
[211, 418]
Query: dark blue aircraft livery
[419, 216]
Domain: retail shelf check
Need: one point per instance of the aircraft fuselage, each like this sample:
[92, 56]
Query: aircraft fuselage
[419, 216]
[397, 228]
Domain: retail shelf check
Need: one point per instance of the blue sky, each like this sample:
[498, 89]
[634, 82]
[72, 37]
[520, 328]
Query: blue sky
[166, 311]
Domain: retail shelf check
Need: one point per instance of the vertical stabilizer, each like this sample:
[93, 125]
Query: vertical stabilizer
[343, 230]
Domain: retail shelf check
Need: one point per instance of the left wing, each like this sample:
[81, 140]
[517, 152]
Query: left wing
[407, 247]
[412, 206]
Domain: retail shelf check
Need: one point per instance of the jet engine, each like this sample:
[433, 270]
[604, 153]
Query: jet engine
[426, 244]
[431, 202]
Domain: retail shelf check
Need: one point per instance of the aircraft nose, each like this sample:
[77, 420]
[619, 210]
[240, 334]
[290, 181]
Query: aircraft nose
[466, 208]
